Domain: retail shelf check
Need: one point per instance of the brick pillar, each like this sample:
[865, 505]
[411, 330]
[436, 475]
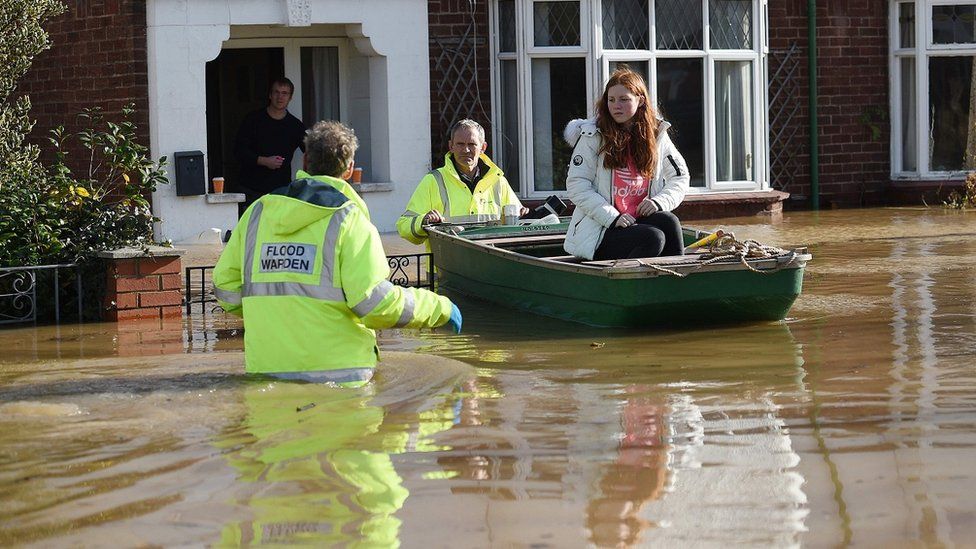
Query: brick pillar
[141, 285]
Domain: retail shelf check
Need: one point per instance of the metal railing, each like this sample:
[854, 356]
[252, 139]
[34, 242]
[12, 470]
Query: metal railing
[405, 270]
[18, 292]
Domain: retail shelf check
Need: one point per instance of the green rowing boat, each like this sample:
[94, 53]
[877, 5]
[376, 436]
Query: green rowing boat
[524, 266]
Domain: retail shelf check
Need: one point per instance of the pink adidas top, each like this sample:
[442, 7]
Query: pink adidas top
[629, 189]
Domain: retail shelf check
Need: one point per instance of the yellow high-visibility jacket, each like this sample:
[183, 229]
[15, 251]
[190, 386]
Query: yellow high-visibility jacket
[341, 185]
[443, 190]
[307, 271]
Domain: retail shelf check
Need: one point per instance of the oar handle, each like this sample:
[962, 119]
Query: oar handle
[706, 240]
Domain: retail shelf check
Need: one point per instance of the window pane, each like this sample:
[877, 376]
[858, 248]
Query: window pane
[557, 23]
[733, 121]
[950, 90]
[320, 84]
[558, 96]
[679, 24]
[640, 67]
[909, 131]
[906, 25]
[730, 22]
[508, 149]
[506, 25]
[680, 94]
[953, 24]
[625, 24]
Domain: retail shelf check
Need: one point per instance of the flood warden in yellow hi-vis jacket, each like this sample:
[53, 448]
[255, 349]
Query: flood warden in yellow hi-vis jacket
[468, 188]
[307, 271]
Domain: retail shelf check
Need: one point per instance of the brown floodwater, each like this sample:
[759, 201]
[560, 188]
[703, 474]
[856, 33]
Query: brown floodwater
[852, 422]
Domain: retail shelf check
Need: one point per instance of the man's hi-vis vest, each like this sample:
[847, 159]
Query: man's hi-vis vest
[307, 271]
[443, 190]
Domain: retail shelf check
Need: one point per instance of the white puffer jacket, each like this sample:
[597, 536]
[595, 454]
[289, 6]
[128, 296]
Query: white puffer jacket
[590, 185]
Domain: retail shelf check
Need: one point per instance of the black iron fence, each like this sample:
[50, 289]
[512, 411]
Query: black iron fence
[415, 270]
[25, 291]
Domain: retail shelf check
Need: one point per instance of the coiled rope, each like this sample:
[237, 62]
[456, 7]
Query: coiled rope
[723, 249]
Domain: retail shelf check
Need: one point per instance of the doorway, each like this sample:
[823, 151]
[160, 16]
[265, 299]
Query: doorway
[237, 83]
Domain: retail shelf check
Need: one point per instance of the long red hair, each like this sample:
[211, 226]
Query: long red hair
[639, 141]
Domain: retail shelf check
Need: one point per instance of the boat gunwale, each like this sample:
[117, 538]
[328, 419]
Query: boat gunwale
[795, 259]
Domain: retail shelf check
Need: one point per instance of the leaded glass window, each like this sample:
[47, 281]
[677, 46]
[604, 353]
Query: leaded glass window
[625, 25]
[556, 23]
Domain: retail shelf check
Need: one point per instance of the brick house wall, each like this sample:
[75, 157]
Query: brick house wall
[852, 63]
[460, 68]
[98, 59]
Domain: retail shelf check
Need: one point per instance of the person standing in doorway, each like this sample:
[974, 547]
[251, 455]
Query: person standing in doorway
[266, 143]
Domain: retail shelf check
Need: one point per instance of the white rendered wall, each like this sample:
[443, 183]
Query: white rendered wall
[183, 35]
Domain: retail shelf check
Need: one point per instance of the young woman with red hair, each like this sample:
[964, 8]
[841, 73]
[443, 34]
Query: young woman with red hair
[625, 177]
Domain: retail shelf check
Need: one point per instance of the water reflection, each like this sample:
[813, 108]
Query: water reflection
[850, 423]
[310, 470]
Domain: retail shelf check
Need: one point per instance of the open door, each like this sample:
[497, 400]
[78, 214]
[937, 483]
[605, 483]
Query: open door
[237, 83]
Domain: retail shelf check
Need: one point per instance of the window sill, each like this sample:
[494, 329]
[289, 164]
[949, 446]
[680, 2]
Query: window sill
[373, 187]
[225, 198]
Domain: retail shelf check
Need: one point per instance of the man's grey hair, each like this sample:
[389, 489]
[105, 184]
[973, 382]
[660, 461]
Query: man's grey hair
[465, 123]
[330, 147]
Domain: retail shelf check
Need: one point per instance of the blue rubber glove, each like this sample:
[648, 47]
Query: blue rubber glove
[455, 320]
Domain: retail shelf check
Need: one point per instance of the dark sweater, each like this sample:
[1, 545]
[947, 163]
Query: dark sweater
[261, 135]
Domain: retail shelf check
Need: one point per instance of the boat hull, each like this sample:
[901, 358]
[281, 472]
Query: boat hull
[620, 297]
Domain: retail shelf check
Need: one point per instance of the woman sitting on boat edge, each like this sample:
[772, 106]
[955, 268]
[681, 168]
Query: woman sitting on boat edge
[625, 177]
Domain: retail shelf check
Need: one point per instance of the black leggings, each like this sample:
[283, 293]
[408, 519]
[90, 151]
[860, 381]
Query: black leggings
[652, 236]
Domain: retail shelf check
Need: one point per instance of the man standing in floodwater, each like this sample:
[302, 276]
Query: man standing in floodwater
[266, 143]
[307, 271]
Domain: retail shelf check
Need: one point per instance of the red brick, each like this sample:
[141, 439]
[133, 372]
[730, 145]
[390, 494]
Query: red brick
[171, 282]
[160, 299]
[123, 267]
[122, 301]
[132, 314]
[160, 265]
[172, 312]
[136, 284]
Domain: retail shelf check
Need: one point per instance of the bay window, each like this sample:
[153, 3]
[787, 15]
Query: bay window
[933, 44]
[702, 60]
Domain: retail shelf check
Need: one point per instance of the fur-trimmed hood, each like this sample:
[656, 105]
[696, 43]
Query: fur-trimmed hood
[587, 126]
[576, 127]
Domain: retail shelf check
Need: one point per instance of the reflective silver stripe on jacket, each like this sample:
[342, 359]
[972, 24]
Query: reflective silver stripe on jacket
[324, 290]
[344, 375]
[445, 197]
[380, 291]
[412, 216]
[408, 306]
[228, 296]
[474, 218]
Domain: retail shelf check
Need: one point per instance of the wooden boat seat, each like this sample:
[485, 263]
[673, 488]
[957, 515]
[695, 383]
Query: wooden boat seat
[523, 240]
[662, 261]
[564, 258]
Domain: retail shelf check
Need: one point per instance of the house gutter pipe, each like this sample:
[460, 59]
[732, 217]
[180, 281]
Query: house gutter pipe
[814, 129]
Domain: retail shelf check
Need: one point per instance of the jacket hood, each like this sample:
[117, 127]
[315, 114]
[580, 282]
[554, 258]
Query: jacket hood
[308, 200]
[587, 126]
[577, 127]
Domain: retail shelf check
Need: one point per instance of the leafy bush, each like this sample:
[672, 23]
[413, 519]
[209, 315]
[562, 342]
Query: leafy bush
[966, 198]
[48, 214]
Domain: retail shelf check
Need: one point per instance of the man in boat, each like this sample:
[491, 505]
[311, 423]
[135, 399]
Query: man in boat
[306, 270]
[469, 187]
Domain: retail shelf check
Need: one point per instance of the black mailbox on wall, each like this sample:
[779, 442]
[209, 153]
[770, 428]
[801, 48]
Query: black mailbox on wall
[189, 173]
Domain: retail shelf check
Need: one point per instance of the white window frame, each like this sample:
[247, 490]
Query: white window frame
[598, 61]
[923, 50]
